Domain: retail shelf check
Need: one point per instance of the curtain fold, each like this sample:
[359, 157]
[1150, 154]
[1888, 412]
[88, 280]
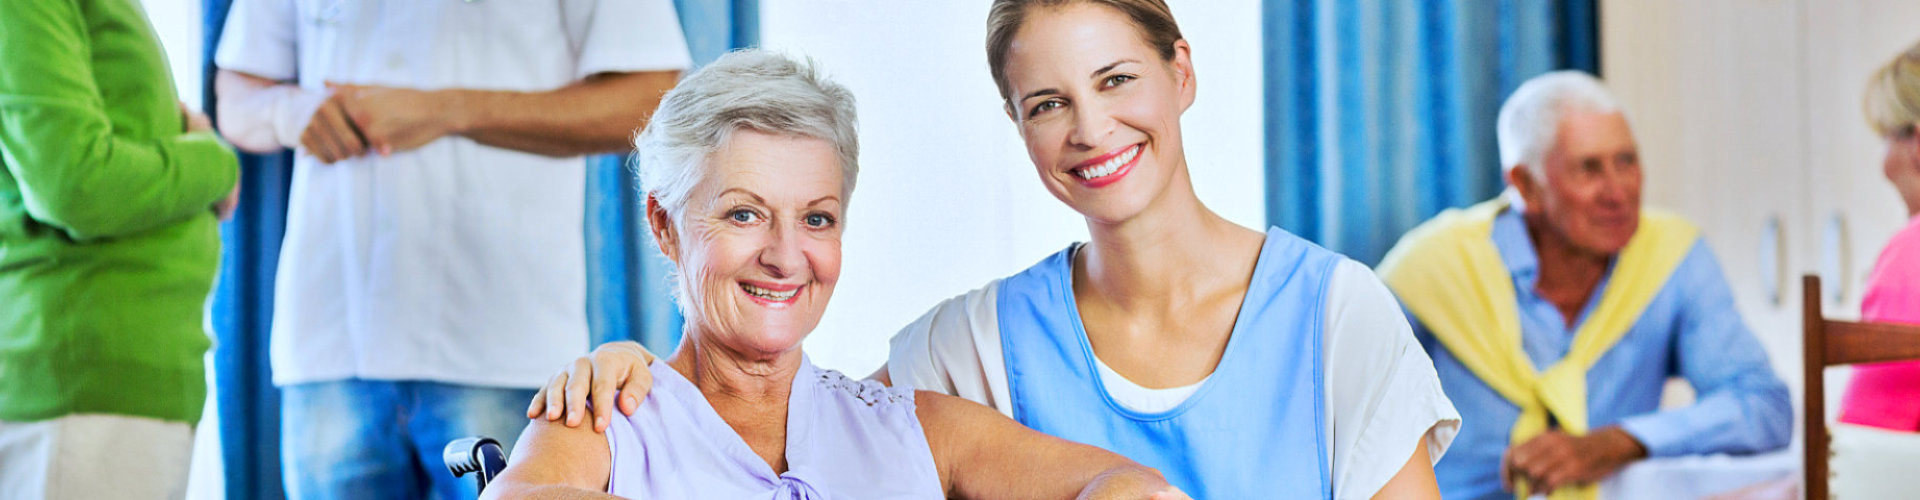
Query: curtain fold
[1380, 113]
[626, 275]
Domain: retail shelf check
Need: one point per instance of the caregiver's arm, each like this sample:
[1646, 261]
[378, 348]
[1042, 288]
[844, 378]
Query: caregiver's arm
[983, 454]
[934, 352]
[553, 461]
[1415, 479]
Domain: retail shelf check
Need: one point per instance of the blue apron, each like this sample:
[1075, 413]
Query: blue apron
[1255, 429]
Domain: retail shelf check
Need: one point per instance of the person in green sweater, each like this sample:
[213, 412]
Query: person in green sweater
[110, 198]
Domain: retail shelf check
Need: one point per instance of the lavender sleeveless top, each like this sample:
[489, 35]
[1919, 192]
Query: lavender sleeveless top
[845, 439]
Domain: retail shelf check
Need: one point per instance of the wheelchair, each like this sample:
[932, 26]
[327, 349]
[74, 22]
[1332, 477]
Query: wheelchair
[481, 456]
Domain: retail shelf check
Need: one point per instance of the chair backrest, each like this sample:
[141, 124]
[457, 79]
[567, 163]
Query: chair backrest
[1830, 343]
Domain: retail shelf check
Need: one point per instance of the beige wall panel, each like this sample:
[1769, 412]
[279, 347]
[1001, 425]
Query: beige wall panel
[1846, 41]
[1751, 109]
[1713, 90]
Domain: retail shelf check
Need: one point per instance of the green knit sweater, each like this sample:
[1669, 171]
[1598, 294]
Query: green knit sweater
[108, 244]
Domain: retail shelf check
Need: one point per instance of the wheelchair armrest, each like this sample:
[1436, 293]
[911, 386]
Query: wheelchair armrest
[480, 455]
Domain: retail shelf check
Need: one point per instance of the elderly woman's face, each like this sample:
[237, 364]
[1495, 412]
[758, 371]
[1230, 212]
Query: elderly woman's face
[759, 242]
[1098, 107]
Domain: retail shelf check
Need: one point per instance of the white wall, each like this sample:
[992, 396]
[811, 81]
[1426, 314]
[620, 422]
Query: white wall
[947, 199]
[178, 24]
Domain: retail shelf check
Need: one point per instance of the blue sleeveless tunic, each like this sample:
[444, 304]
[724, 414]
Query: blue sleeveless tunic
[1255, 429]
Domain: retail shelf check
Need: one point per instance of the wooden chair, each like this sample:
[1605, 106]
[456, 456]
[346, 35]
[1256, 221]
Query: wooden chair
[1832, 343]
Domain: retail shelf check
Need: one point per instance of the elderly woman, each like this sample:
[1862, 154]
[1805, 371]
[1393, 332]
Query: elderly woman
[748, 166]
[1882, 401]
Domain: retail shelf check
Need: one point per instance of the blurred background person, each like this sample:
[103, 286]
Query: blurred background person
[1556, 313]
[433, 269]
[109, 207]
[1880, 410]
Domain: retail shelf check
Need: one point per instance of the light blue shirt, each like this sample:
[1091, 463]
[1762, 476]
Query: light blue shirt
[1255, 427]
[1690, 330]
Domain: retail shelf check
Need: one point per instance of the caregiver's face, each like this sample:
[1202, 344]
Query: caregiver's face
[760, 247]
[1098, 107]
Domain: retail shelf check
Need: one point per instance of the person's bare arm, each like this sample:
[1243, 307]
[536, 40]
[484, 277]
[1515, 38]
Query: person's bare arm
[245, 117]
[1415, 479]
[983, 454]
[262, 115]
[553, 461]
[612, 368]
[598, 114]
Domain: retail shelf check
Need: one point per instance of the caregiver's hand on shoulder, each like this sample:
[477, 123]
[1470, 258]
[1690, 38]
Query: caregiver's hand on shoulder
[614, 367]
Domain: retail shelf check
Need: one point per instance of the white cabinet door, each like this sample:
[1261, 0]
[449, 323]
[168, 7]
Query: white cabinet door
[1714, 91]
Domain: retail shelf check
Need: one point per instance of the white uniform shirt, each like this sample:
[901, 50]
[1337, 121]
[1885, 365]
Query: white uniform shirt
[456, 262]
[1382, 393]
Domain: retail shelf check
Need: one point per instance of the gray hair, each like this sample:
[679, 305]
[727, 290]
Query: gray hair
[1529, 121]
[749, 88]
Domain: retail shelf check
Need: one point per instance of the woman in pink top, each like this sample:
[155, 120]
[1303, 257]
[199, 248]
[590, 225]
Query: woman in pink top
[747, 166]
[1887, 395]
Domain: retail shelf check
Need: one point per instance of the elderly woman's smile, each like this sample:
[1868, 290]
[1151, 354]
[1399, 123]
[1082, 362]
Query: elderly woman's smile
[760, 244]
[771, 294]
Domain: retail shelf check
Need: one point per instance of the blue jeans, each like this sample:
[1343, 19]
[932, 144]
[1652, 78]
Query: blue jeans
[376, 439]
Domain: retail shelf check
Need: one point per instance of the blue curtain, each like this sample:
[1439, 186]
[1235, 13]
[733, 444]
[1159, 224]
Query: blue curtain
[1380, 113]
[242, 307]
[626, 285]
[628, 289]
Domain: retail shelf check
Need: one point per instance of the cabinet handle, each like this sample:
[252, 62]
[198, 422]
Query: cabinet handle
[1773, 263]
[1835, 258]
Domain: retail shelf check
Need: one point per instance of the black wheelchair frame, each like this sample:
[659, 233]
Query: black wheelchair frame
[481, 456]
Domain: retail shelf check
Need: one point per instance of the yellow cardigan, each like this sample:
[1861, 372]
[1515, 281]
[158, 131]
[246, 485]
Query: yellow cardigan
[1450, 276]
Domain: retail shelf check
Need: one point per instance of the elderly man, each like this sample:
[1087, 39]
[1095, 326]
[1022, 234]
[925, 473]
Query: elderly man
[433, 270]
[1555, 314]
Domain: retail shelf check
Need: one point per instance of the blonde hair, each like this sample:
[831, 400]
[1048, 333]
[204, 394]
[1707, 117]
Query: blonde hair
[1153, 18]
[1893, 95]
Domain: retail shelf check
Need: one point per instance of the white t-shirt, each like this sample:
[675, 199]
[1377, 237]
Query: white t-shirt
[1381, 390]
[456, 262]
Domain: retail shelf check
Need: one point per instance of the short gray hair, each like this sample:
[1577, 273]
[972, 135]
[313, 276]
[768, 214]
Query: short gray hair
[1529, 121]
[749, 88]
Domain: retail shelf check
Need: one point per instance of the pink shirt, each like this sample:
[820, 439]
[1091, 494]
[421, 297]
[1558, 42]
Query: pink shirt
[1887, 395]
